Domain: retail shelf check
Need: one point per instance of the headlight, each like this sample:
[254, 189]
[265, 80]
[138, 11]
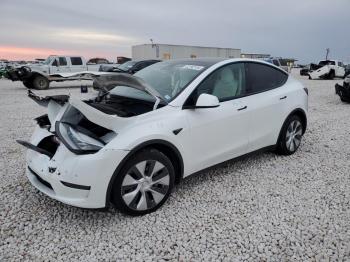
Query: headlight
[82, 141]
[77, 141]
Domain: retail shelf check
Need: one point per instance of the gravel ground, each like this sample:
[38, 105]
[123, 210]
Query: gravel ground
[260, 208]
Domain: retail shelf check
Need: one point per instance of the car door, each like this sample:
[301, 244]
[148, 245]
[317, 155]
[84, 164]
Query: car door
[63, 65]
[54, 66]
[268, 101]
[221, 133]
[77, 64]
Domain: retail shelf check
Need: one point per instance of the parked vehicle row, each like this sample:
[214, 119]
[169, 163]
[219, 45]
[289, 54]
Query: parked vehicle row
[130, 67]
[66, 68]
[278, 62]
[130, 145]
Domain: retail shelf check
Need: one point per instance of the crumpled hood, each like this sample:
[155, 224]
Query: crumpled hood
[111, 122]
[57, 105]
[108, 81]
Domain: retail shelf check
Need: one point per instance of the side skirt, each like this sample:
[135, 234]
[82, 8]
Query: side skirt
[261, 150]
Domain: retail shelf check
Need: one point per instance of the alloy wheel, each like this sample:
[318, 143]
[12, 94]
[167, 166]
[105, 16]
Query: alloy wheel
[145, 185]
[293, 135]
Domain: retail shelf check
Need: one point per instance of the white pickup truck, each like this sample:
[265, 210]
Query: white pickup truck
[54, 68]
[327, 69]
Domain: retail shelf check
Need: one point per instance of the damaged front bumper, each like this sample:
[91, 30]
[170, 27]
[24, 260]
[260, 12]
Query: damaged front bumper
[77, 180]
[74, 176]
[19, 74]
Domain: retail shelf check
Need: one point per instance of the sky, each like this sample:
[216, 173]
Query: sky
[300, 29]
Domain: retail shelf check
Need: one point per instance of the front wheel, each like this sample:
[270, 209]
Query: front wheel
[41, 82]
[291, 135]
[144, 183]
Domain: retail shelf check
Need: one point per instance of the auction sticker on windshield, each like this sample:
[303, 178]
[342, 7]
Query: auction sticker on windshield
[193, 67]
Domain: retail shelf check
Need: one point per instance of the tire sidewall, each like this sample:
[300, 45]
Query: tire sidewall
[149, 154]
[36, 81]
[282, 147]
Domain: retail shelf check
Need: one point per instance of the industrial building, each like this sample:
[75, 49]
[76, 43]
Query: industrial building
[255, 56]
[166, 52]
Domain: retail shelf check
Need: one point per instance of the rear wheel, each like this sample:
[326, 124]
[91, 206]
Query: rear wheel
[144, 183]
[291, 135]
[41, 82]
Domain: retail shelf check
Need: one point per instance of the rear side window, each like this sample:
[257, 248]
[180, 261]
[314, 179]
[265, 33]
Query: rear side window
[63, 61]
[275, 62]
[76, 60]
[263, 77]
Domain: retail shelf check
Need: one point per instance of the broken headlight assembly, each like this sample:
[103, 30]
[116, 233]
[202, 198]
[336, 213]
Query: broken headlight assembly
[77, 139]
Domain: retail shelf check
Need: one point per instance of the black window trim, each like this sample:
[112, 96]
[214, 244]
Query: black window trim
[63, 58]
[76, 57]
[185, 106]
[274, 67]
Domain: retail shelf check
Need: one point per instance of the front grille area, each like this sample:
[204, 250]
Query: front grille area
[50, 144]
[42, 181]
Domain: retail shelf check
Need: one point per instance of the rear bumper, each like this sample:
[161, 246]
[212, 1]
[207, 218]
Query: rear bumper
[77, 180]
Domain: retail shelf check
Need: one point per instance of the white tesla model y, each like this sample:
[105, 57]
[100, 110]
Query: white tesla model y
[143, 133]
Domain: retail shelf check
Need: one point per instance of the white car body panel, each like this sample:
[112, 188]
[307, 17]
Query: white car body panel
[208, 136]
[218, 127]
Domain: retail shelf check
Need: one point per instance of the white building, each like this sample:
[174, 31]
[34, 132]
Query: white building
[165, 52]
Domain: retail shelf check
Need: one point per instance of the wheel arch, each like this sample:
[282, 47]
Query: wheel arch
[34, 74]
[37, 73]
[299, 112]
[163, 146]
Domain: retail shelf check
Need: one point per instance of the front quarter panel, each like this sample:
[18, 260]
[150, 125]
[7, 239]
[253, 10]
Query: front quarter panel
[155, 125]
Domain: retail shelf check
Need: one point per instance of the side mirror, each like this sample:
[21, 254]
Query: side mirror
[207, 101]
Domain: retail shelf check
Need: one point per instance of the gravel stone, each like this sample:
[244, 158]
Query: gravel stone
[260, 208]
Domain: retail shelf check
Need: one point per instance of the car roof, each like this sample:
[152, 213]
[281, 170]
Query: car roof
[144, 60]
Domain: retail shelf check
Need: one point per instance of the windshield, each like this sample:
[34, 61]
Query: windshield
[326, 62]
[167, 78]
[48, 60]
[127, 65]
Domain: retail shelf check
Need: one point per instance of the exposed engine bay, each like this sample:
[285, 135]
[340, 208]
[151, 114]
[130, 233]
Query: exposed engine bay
[86, 126]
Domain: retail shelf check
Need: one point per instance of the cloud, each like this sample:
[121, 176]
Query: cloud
[299, 28]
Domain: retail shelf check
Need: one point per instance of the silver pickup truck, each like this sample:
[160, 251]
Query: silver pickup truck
[54, 68]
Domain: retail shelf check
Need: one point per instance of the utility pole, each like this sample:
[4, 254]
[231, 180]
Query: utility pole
[155, 46]
[327, 53]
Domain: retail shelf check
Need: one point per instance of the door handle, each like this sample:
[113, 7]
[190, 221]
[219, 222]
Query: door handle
[242, 108]
[283, 97]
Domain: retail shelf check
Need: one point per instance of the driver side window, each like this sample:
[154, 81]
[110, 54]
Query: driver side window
[54, 63]
[227, 82]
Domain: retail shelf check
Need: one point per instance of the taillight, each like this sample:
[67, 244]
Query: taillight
[306, 90]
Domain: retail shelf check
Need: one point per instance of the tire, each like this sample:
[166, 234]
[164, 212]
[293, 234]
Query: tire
[331, 75]
[290, 136]
[28, 84]
[41, 82]
[144, 183]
